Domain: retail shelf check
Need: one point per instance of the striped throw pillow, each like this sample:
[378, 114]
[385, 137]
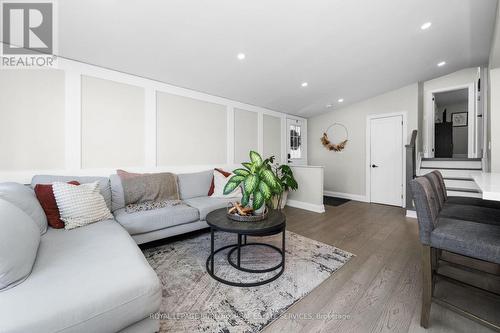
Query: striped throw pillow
[80, 205]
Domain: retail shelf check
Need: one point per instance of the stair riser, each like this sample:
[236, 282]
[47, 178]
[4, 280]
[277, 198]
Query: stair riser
[464, 194]
[452, 164]
[467, 184]
[450, 173]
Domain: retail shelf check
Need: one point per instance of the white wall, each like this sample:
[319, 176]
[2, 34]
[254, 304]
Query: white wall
[309, 195]
[494, 117]
[81, 119]
[493, 101]
[344, 172]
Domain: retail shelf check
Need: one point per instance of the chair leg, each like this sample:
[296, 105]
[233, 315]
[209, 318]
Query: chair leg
[426, 286]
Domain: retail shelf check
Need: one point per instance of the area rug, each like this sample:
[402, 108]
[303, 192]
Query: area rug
[194, 302]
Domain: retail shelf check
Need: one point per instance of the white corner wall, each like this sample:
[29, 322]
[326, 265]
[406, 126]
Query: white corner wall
[81, 119]
[344, 172]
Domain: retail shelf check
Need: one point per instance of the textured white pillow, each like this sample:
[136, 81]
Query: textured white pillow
[220, 182]
[80, 205]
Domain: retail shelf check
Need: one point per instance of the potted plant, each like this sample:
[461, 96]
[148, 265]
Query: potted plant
[258, 180]
[287, 182]
[261, 184]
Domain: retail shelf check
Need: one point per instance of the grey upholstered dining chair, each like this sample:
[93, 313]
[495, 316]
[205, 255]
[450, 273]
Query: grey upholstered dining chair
[453, 234]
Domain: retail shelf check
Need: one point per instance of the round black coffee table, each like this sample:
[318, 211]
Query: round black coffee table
[272, 225]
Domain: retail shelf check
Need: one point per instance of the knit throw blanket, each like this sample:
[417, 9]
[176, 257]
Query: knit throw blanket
[150, 205]
[155, 187]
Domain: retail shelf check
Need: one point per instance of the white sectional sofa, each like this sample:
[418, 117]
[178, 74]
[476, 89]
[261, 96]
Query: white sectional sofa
[95, 278]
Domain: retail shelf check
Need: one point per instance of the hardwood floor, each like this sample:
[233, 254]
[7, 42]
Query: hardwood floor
[379, 289]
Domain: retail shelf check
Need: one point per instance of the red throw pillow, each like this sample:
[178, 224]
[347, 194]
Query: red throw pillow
[212, 185]
[45, 195]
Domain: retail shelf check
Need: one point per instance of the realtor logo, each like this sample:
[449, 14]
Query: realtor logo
[27, 34]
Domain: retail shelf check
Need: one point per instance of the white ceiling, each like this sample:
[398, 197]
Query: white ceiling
[352, 49]
[458, 96]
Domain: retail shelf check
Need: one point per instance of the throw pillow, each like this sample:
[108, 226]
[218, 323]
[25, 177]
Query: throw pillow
[80, 205]
[220, 182]
[19, 240]
[211, 189]
[24, 198]
[45, 196]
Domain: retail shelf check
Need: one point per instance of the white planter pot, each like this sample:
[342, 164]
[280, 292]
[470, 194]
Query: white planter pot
[283, 199]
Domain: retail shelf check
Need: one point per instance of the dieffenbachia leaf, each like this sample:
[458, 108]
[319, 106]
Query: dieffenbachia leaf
[241, 172]
[265, 190]
[258, 200]
[255, 158]
[245, 199]
[250, 183]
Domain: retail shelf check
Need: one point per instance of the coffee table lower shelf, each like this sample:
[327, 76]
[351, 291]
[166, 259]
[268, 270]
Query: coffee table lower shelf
[237, 247]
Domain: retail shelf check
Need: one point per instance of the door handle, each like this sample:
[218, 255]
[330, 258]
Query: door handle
[374, 166]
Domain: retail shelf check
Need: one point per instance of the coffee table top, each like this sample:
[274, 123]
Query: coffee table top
[274, 222]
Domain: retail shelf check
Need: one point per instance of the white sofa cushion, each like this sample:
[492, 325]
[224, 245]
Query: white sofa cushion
[19, 240]
[80, 205]
[92, 279]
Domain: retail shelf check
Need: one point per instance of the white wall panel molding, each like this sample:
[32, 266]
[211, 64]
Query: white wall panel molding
[150, 127]
[230, 135]
[74, 71]
[73, 119]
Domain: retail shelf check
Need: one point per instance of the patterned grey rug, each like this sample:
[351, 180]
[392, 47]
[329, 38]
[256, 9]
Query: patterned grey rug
[194, 302]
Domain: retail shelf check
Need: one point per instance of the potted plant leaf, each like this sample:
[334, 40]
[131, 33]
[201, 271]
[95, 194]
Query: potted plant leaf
[258, 180]
[287, 182]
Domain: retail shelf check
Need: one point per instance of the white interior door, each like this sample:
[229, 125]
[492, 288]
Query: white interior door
[386, 160]
[296, 144]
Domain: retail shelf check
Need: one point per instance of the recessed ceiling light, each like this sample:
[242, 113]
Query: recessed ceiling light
[340, 100]
[329, 105]
[304, 84]
[426, 25]
[241, 56]
[441, 64]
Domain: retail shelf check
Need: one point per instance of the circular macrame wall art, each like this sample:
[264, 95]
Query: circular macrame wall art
[335, 128]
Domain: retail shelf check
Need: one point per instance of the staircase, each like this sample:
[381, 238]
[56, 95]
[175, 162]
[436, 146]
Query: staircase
[456, 173]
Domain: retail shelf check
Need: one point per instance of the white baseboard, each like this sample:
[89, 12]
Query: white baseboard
[355, 197]
[306, 205]
[411, 214]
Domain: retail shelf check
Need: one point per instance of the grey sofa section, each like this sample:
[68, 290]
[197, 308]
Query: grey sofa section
[104, 187]
[192, 185]
[90, 279]
[19, 240]
[25, 199]
[156, 219]
[117, 194]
